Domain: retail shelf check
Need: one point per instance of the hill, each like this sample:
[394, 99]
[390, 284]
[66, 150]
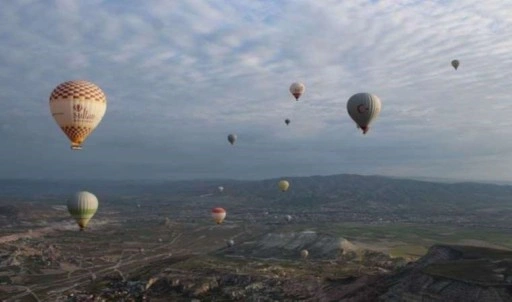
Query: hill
[338, 191]
[453, 273]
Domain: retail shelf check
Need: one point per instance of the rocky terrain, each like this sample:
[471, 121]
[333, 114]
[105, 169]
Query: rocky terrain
[368, 239]
[446, 273]
[452, 273]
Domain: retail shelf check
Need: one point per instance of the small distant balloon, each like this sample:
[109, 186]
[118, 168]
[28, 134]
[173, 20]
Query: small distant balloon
[297, 90]
[218, 215]
[287, 121]
[304, 254]
[221, 189]
[455, 64]
[363, 108]
[230, 242]
[283, 185]
[232, 139]
[288, 218]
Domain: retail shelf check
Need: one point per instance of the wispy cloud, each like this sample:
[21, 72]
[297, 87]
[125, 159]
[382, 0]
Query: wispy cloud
[180, 76]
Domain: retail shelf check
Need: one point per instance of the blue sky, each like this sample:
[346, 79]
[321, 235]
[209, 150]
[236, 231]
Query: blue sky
[181, 75]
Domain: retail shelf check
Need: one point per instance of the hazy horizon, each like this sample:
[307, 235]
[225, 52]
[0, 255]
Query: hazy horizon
[156, 180]
[180, 76]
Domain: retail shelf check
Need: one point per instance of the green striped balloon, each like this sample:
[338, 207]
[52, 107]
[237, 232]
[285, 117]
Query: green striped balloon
[82, 206]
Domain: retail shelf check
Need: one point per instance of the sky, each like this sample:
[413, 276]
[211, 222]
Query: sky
[179, 76]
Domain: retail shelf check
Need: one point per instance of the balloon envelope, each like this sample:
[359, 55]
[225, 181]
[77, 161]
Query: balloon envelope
[77, 107]
[283, 185]
[82, 206]
[232, 138]
[287, 121]
[304, 254]
[221, 189]
[218, 215]
[297, 89]
[455, 64]
[363, 108]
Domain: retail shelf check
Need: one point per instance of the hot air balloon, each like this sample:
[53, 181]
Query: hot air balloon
[230, 243]
[297, 89]
[288, 218]
[304, 254]
[363, 108]
[455, 64]
[287, 121]
[221, 189]
[78, 107]
[82, 206]
[283, 185]
[218, 215]
[232, 139]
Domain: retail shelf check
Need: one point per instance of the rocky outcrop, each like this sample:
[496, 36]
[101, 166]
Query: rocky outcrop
[288, 246]
[453, 273]
[445, 273]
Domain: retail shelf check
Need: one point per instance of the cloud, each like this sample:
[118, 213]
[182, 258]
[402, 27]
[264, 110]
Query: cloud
[180, 76]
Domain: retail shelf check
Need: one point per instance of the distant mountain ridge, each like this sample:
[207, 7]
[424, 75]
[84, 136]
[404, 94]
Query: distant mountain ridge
[343, 190]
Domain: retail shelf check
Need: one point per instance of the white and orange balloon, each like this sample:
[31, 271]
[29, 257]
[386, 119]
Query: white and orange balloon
[218, 215]
[77, 107]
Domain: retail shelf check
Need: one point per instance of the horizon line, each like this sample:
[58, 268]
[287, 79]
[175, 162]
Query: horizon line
[154, 180]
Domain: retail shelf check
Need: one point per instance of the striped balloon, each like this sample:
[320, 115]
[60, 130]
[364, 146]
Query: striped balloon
[82, 206]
